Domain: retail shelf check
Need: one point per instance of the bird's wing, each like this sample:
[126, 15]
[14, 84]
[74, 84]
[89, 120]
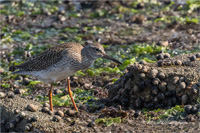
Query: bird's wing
[47, 58]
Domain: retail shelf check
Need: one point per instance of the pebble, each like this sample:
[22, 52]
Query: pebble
[142, 75]
[184, 99]
[178, 62]
[137, 66]
[2, 95]
[25, 81]
[19, 118]
[45, 109]
[192, 58]
[19, 91]
[166, 55]
[182, 85]
[153, 73]
[68, 119]
[32, 119]
[59, 113]
[9, 125]
[160, 56]
[28, 127]
[188, 109]
[50, 112]
[161, 96]
[57, 91]
[91, 124]
[163, 86]
[3, 121]
[194, 110]
[154, 90]
[155, 81]
[16, 111]
[56, 118]
[161, 75]
[71, 112]
[11, 94]
[32, 107]
[137, 113]
[198, 55]
[143, 62]
[1, 70]
[46, 105]
[145, 69]
[175, 80]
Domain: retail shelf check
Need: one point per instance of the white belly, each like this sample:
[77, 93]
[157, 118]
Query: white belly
[53, 74]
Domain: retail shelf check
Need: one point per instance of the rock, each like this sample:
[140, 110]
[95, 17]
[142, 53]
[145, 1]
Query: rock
[3, 121]
[184, 99]
[142, 75]
[57, 91]
[154, 90]
[59, 113]
[56, 118]
[28, 127]
[194, 110]
[25, 81]
[160, 56]
[22, 115]
[198, 55]
[161, 75]
[11, 94]
[45, 109]
[153, 73]
[188, 109]
[163, 43]
[71, 112]
[178, 62]
[2, 95]
[32, 108]
[175, 80]
[68, 119]
[166, 55]
[91, 124]
[143, 62]
[161, 96]
[1, 70]
[182, 85]
[46, 105]
[50, 112]
[32, 119]
[16, 111]
[155, 81]
[19, 91]
[192, 58]
[163, 86]
[137, 113]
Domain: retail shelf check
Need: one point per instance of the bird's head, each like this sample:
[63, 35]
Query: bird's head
[96, 50]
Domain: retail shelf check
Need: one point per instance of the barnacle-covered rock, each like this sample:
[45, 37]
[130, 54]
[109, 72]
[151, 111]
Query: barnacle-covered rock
[165, 83]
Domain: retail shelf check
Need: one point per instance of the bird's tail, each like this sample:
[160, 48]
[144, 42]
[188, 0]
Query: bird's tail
[13, 68]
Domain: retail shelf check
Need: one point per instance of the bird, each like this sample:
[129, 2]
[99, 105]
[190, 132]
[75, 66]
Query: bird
[60, 62]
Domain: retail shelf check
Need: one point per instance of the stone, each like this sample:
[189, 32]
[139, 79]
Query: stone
[32, 108]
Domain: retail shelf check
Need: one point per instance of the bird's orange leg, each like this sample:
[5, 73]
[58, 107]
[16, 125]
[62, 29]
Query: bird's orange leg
[50, 97]
[70, 94]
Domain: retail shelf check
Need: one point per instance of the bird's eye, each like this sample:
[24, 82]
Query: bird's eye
[97, 49]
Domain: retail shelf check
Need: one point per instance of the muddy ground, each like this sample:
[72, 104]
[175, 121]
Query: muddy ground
[28, 28]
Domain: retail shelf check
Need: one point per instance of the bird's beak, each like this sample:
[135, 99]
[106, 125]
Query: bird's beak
[110, 58]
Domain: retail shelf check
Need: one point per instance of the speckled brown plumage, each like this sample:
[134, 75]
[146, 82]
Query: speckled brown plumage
[49, 57]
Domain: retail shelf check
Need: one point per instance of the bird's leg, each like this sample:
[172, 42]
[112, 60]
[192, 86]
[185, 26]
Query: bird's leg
[50, 97]
[70, 94]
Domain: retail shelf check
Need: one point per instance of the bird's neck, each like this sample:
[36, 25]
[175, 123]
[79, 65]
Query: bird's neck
[86, 58]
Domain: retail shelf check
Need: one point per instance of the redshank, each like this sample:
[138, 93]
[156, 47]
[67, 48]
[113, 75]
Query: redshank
[60, 62]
